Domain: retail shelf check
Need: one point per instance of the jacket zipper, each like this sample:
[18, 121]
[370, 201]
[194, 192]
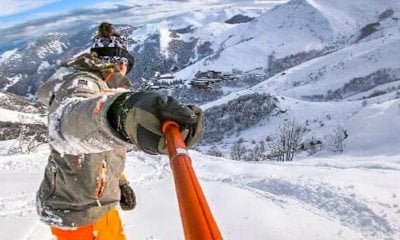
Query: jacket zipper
[53, 171]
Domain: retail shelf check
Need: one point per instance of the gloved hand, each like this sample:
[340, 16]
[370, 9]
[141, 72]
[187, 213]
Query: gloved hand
[128, 197]
[139, 117]
[195, 130]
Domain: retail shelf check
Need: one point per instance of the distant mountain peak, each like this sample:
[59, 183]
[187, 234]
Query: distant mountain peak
[237, 19]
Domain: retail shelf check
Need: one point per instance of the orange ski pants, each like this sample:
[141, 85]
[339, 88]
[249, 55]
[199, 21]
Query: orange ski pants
[108, 227]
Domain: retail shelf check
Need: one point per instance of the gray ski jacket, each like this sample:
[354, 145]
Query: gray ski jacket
[81, 179]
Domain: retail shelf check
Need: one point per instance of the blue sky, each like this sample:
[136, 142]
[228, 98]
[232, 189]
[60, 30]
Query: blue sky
[18, 11]
[30, 19]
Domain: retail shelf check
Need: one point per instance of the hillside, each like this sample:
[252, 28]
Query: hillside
[21, 119]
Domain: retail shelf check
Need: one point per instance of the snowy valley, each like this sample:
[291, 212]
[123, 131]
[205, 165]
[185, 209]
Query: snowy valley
[328, 69]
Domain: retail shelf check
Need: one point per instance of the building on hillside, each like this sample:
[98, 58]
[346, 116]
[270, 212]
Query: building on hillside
[201, 83]
[166, 78]
[161, 81]
[210, 75]
[207, 78]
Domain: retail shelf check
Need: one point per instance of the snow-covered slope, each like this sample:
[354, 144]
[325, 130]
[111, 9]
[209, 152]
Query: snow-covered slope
[202, 27]
[361, 120]
[333, 71]
[19, 110]
[348, 16]
[330, 198]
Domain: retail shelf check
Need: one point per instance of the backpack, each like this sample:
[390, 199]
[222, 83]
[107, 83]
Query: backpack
[113, 49]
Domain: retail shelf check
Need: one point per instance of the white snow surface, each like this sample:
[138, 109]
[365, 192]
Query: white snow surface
[340, 197]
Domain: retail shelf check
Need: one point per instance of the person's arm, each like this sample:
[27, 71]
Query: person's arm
[86, 120]
[78, 117]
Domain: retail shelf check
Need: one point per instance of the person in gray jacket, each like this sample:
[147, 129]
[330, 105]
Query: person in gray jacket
[92, 117]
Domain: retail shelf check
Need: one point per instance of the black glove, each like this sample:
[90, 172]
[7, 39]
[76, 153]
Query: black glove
[195, 130]
[138, 117]
[128, 197]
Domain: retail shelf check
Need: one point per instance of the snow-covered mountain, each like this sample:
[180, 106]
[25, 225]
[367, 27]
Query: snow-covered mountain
[201, 38]
[296, 27]
[182, 40]
[26, 67]
[157, 39]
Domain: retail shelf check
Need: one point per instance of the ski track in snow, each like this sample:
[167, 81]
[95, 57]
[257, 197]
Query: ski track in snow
[320, 198]
[365, 166]
[155, 169]
[347, 209]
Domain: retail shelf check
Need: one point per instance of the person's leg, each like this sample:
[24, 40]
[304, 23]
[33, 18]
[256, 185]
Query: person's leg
[110, 227]
[80, 233]
[107, 227]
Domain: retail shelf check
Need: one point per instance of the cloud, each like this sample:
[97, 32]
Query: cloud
[71, 22]
[10, 7]
[83, 20]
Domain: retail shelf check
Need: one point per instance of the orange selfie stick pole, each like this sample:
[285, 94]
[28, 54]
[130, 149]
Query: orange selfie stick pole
[197, 220]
